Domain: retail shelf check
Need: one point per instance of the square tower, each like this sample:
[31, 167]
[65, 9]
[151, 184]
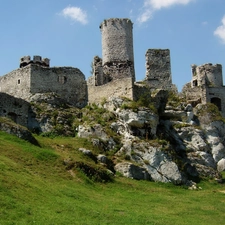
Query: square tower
[158, 69]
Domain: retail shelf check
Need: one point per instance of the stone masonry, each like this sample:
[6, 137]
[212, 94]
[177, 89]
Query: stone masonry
[67, 82]
[113, 75]
[206, 86]
[158, 69]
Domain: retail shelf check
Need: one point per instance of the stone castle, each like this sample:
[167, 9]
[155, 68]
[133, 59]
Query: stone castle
[113, 75]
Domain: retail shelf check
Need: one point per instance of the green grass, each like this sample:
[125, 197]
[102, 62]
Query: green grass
[35, 188]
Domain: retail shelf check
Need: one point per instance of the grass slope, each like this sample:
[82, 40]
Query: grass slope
[35, 188]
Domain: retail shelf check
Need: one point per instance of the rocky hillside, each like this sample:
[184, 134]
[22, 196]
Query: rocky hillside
[160, 137]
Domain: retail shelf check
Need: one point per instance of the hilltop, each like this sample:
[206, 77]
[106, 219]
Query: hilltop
[68, 175]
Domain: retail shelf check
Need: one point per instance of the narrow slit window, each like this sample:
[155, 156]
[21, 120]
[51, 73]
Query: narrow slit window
[18, 81]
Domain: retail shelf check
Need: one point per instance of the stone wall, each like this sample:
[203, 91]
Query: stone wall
[206, 85]
[14, 108]
[123, 87]
[17, 83]
[158, 69]
[207, 74]
[69, 83]
[214, 93]
[194, 93]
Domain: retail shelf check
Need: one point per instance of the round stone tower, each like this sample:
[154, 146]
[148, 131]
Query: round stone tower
[211, 73]
[117, 48]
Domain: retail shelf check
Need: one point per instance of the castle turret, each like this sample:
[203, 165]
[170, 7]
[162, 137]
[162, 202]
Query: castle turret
[26, 60]
[117, 48]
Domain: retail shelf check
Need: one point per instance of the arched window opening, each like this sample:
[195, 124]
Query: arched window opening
[12, 116]
[217, 102]
[195, 83]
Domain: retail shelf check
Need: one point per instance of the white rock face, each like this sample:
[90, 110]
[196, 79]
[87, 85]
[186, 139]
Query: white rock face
[155, 162]
[88, 131]
[194, 138]
[160, 166]
[132, 171]
[221, 165]
[142, 119]
[215, 137]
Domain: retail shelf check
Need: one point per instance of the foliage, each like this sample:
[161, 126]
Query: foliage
[180, 125]
[208, 113]
[174, 99]
[144, 100]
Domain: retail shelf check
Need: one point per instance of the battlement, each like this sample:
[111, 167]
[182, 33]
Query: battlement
[26, 60]
[114, 21]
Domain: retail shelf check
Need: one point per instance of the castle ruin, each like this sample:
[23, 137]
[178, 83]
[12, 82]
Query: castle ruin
[113, 75]
[36, 76]
[206, 86]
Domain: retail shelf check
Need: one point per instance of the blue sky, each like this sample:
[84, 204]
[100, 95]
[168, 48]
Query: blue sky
[67, 32]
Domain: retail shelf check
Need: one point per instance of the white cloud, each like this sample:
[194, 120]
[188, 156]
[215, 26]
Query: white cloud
[158, 4]
[220, 31]
[145, 16]
[76, 14]
[150, 6]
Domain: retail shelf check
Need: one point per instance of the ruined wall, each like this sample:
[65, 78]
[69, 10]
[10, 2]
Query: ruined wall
[206, 85]
[217, 93]
[207, 74]
[17, 83]
[117, 48]
[97, 78]
[194, 95]
[69, 83]
[158, 69]
[14, 108]
[117, 88]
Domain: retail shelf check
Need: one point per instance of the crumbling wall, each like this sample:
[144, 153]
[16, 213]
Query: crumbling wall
[68, 82]
[206, 86]
[17, 83]
[158, 69]
[98, 77]
[194, 95]
[217, 93]
[117, 88]
[207, 74]
[14, 108]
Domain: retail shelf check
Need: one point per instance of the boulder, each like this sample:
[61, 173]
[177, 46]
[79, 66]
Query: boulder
[21, 132]
[160, 166]
[86, 151]
[130, 170]
[221, 165]
[102, 159]
[92, 131]
[140, 123]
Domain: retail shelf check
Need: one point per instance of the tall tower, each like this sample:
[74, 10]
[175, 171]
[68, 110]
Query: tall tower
[158, 68]
[117, 48]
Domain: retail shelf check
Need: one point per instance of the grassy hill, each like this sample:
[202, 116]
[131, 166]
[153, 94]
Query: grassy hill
[37, 186]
